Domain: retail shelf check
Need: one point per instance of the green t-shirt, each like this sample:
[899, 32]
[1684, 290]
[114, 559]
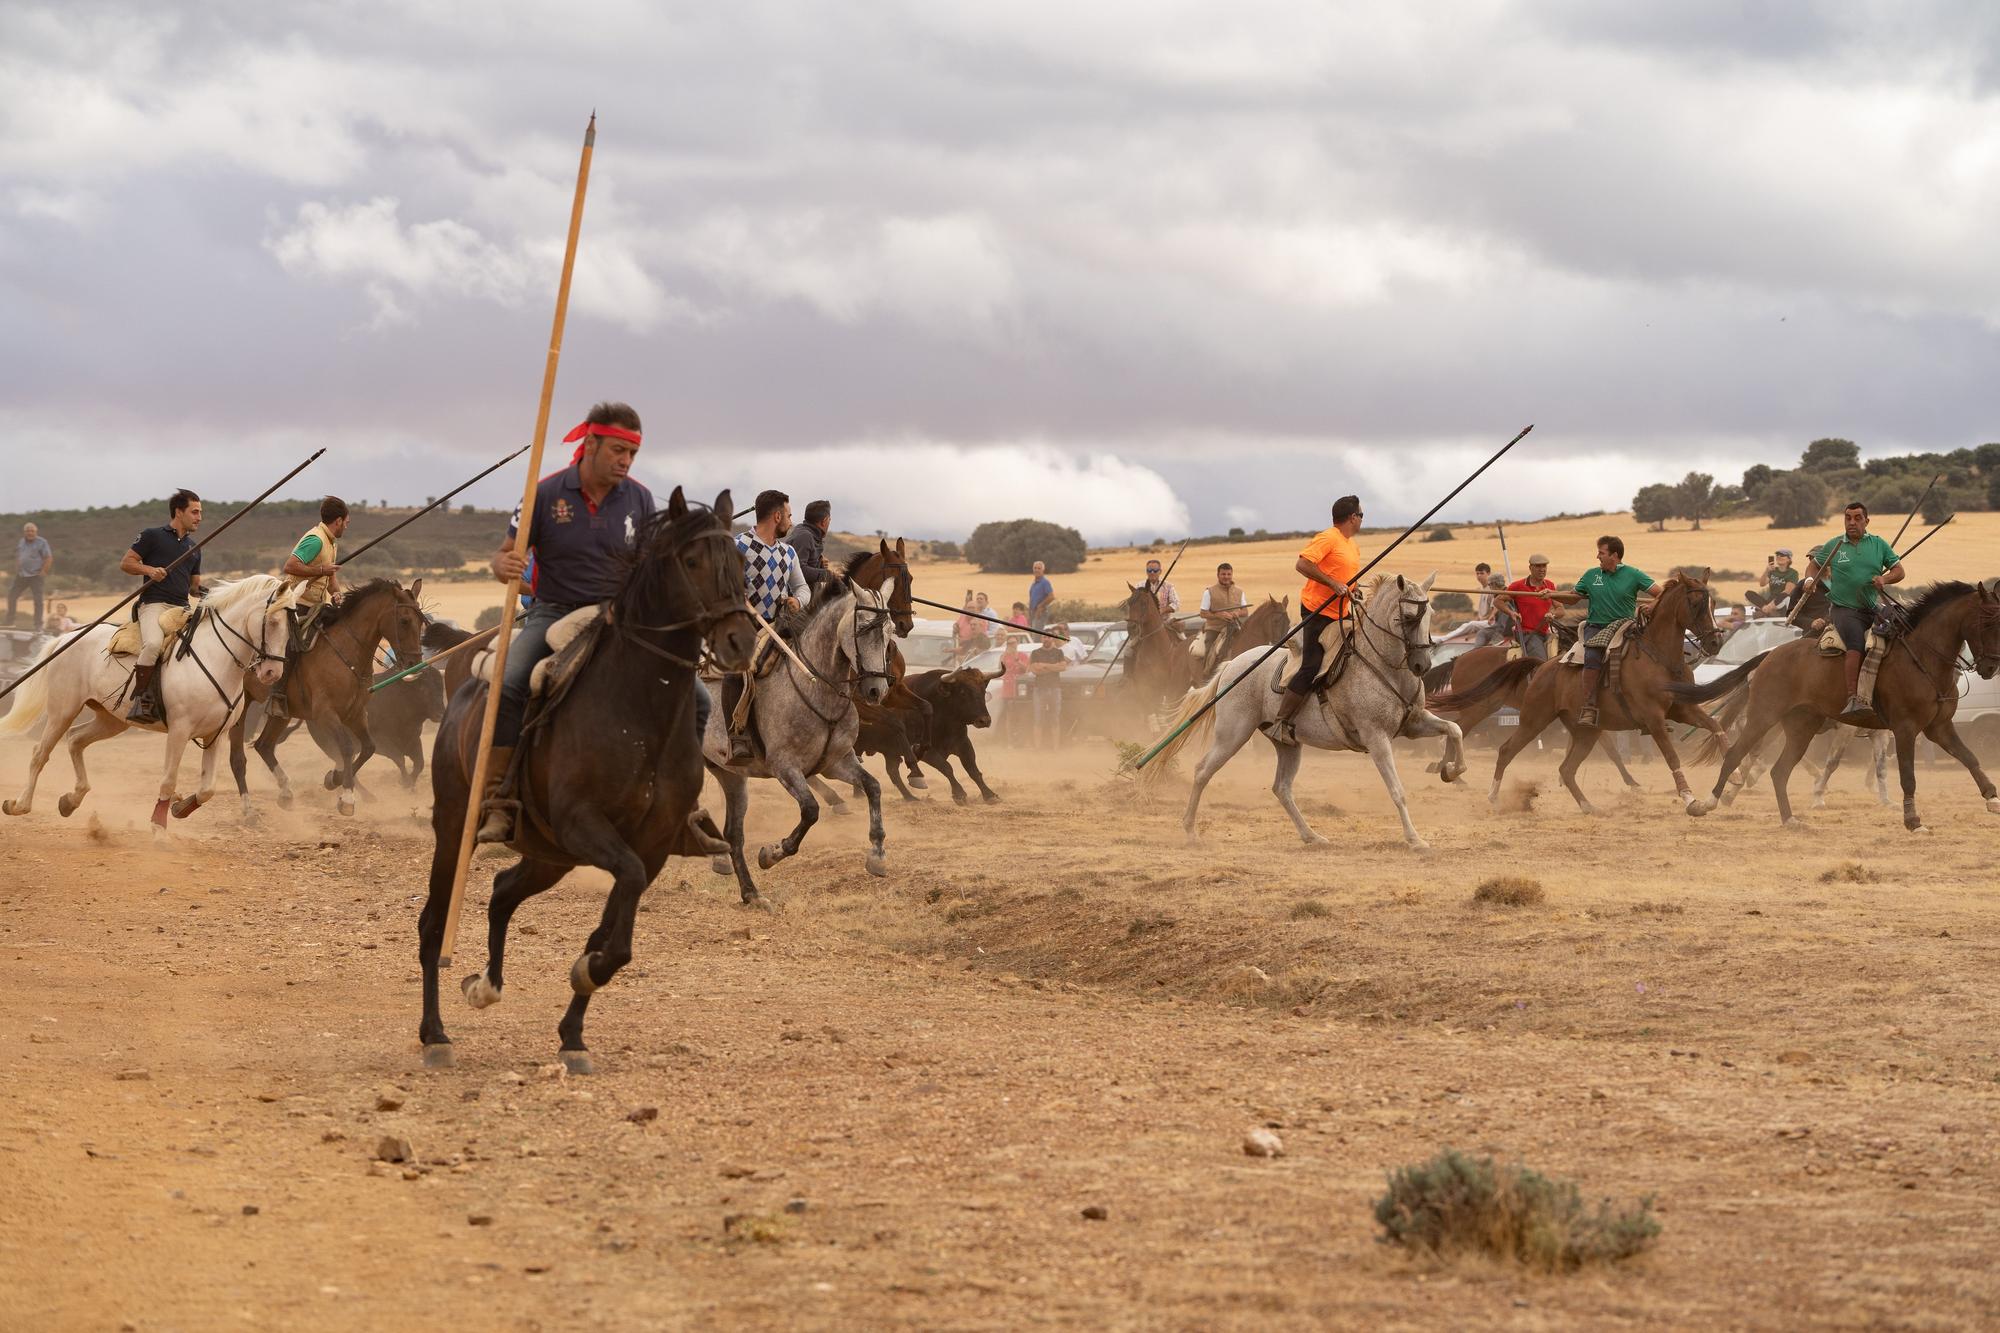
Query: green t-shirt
[1778, 578]
[1850, 569]
[1613, 596]
[308, 548]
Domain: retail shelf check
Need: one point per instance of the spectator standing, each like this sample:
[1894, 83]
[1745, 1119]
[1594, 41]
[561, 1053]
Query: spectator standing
[1533, 612]
[1047, 663]
[970, 631]
[809, 540]
[33, 561]
[1040, 593]
[1013, 664]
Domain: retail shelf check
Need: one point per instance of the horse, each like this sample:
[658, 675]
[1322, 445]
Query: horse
[610, 776]
[1367, 707]
[1158, 666]
[806, 723]
[1260, 629]
[239, 628]
[887, 568]
[328, 691]
[1476, 664]
[398, 710]
[1916, 693]
[1652, 661]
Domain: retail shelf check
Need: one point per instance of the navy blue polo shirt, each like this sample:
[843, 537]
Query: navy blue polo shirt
[578, 547]
[160, 547]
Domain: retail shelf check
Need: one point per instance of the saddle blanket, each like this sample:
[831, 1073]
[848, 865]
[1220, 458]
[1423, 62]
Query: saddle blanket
[1332, 639]
[1610, 638]
[125, 643]
[570, 640]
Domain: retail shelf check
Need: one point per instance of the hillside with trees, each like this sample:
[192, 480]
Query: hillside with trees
[1830, 474]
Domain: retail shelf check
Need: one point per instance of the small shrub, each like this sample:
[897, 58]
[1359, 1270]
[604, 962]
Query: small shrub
[1849, 872]
[1440, 534]
[1451, 601]
[1143, 926]
[1510, 891]
[488, 618]
[1659, 909]
[1310, 909]
[1454, 1203]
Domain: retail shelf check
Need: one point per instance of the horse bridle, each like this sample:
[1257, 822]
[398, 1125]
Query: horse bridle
[1407, 639]
[704, 618]
[259, 650]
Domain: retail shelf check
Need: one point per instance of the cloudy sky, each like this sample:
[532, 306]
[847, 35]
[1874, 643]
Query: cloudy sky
[1141, 266]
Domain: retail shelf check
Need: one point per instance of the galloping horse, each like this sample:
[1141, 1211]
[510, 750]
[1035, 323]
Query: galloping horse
[241, 627]
[329, 689]
[806, 724]
[1158, 665]
[1474, 665]
[610, 777]
[1916, 692]
[1652, 661]
[1260, 629]
[1379, 697]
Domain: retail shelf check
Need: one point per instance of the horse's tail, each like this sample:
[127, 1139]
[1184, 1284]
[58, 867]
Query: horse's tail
[1438, 679]
[31, 700]
[1713, 746]
[1688, 692]
[1193, 702]
[1502, 680]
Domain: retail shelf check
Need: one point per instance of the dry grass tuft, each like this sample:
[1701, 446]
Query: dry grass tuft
[1510, 891]
[1849, 872]
[1456, 1204]
[1659, 909]
[755, 1228]
[1309, 909]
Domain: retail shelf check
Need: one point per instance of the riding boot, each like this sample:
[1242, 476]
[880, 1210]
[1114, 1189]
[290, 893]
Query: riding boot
[276, 707]
[145, 696]
[1586, 716]
[498, 808]
[1280, 728]
[1854, 708]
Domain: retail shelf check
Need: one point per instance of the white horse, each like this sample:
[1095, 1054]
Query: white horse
[1379, 697]
[243, 626]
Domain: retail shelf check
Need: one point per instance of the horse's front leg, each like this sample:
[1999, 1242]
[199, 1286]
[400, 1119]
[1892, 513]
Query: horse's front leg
[178, 736]
[1656, 727]
[333, 742]
[849, 769]
[793, 781]
[1382, 749]
[1425, 723]
[187, 805]
[266, 746]
[1945, 735]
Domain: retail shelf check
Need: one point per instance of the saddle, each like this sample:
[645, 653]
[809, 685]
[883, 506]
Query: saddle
[1613, 638]
[571, 641]
[1336, 646]
[125, 643]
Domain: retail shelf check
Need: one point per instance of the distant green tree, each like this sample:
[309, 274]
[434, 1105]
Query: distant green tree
[1694, 498]
[1987, 458]
[1013, 546]
[1831, 455]
[1656, 504]
[488, 618]
[1993, 490]
[1756, 478]
[1795, 500]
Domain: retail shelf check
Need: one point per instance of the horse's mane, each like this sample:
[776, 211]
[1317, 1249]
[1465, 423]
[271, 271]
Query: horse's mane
[224, 595]
[824, 599]
[1935, 596]
[355, 596]
[654, 541]
[851, 568]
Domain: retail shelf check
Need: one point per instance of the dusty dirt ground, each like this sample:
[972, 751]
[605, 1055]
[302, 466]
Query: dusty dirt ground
[1788, 1038]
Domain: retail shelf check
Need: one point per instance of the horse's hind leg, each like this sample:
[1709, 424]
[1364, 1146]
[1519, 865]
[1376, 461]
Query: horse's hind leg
[849, 769]
[1232, 731]
[1945, 736]
[511, 887]
[1884, 745]
[1836, 750]
[94, 728]
[1609, 746]
[51, 735]
[266, 746]
[736, 807]
[1800, 728]
[1289, 758]
[834, 805]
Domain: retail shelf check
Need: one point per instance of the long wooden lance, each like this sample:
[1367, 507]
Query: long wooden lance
[523, 541]
[1164, 741]
[1916, 509]
[78, 636]
[1926, 537]
[357, 551]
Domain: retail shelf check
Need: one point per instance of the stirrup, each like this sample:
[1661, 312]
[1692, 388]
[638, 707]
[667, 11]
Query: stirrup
[1855, 712]
[498, 824]
[277, 707]
[740, 749]
[1280, 730]
[1586, 716]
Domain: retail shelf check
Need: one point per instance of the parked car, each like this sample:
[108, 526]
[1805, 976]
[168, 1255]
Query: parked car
[18, 650]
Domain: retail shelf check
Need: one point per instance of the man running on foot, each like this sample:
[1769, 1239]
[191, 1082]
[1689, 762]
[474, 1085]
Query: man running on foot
[1857, 566]
[588, 521]
[1327, 563]
[1612, 589]
[150, 557]
[313, 568]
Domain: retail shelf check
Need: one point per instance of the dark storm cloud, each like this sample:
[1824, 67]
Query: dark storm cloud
[1137, 266]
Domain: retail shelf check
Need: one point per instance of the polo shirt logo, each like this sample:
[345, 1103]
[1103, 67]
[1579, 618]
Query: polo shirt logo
[561, 512]
[631, 531]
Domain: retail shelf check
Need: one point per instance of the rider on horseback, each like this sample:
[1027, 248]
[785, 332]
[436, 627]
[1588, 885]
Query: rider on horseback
[588, 517]
[772, 580]
[1613, 590]
[313, 568]
[1327, 563]
[1224, 605]
[1858, 565]
[152, 551]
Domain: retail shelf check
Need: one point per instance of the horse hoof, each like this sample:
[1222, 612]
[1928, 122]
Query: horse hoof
[992, 798]
[186, 806]
[1419, 845]
[917, 781]
[285, 798]
[1993, 805]
[754, 901]
[720, 865]
[160, 814]
[345, 806]
[1318, 840]
[579, 978]
[1695, 806]
[9, 807]
[479, 992]
[576, 1062]
[438, 1055]
[65, 805]
[1586, 808]
[1920, 828]
[1793, 821]
[768, 856]
[878, 864]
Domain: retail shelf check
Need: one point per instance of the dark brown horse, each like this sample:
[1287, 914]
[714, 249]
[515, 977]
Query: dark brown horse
[1652, 660]
[1469, 668]
[327, 687]
[611, 777]
[1916, 692]
[1159, 669]
[1260, 629]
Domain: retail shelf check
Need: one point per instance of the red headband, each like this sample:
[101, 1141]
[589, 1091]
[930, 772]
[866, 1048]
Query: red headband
[597, 428]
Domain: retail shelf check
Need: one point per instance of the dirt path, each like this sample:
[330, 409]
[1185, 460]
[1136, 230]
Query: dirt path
[889, 1103]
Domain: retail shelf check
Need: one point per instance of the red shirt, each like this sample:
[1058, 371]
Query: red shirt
[1534, 610]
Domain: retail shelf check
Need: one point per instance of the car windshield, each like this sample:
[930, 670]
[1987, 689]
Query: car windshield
[1754, 638]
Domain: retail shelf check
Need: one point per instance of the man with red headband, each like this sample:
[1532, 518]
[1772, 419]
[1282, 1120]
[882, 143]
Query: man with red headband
[588, 517]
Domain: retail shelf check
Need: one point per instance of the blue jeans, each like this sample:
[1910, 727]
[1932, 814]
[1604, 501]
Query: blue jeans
[530, 646]
[1593, 658]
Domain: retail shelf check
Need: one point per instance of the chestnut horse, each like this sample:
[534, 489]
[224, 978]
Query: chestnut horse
[1916, 692]
[1158, 665]
[1475, 665]
[1651, 661]
[1260, 629]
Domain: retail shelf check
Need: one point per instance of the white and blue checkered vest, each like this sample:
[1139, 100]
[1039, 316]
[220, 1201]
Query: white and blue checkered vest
[767, 573]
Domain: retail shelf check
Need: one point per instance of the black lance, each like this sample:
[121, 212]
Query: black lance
[1127, 641]
[1916, 509]
[980, 615]
[79, 636]
[432, 505]
[1162, 744]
